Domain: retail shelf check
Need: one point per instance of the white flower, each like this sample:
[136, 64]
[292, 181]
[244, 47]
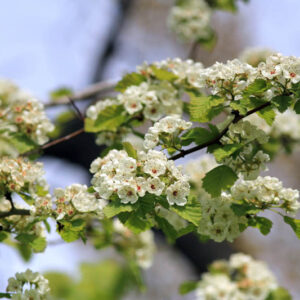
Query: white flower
[155, 167]
[155, 186]
[177, 193]
[127, 193]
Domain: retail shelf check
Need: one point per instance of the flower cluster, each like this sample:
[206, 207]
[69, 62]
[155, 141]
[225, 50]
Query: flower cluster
[18, 223]
[241, 277]
[21, 113]
[286, 126]
[140, 246]
[128, 178]
[265, 192]
[76, 199]
[219, 222]
[227, 80]
[281, 69]
[167, 131]
[248, 161]
[186, 71]
[190, 20]
[254, 56]
[38, 286]
[196, 170]
[153, 100]
[18, 175]
[218, 219]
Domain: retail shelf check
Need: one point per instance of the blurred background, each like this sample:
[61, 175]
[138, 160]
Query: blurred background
[48, 44]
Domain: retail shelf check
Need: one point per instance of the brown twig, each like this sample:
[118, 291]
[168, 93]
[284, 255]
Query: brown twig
[237, 118]
[15, 212]
[54, 142]
[193, 51]
[76, 108]
[91, 91]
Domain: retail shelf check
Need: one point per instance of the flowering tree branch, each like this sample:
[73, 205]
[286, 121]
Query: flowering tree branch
[237, 118]
[91, 91]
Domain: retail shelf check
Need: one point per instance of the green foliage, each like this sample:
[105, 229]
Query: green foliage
[263, 224]
[294, 223]
[190, 212]
[282, 102]
[109, 119]
[60, 93]
[257, 88]
[205, 108]
[162, 74]
[114, 208]
[107, 280]
[225, 151]
[268, 114]
[130, 150]
[210, 41]
[21, 142]
[187, 287]
[137, 224]
[128, 80]
[279, 294]
[218, 179]
[243, 209]
[199, 136]
[169, 231]
[297, 107]
[71, 231]
[36, 243]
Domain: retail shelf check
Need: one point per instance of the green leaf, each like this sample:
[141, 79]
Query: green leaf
[113, 208]
[129, 80]
[197, 135]
[243, 209]
[69, 236]
[282, 102]
[162, 74]
[130, 150]
[190, 212]
[218, 179]
[258, 87]
[39, 244]
[263, 224]
[226, 150]
[71, 231]
[268, 114]
[297, 107]
[187, 287]
[61, 92]
[210, 41]
[3, 236]
[21, 142]
[294, 223]
[109, 119]
[279, 294]
[167, 228]
[137, 224]
[5, 295]
[205, 108]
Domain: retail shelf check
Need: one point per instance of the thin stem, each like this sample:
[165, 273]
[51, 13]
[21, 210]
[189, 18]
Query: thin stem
[91, 91]
[193, 51]
[237, 118]
[55, 142]
[77, 110]
[15, 212]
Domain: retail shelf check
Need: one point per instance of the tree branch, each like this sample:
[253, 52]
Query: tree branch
[236, 119]
[15, 212]
[55, 142]
[91, 91]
